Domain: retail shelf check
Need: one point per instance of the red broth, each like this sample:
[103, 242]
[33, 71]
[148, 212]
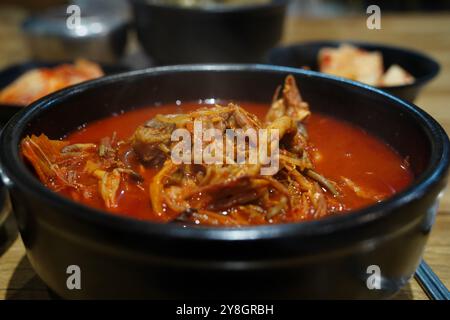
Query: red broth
[339, 150]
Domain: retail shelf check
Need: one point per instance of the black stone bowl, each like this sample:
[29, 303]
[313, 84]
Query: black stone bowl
[121, 257]
[421, 66]
[237, 34]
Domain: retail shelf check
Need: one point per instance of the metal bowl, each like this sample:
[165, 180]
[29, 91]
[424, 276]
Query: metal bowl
[101, 35]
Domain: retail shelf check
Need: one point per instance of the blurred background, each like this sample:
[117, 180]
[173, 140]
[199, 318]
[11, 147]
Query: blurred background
[403, 21]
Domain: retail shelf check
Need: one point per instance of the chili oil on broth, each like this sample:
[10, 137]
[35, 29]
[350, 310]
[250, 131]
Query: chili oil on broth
[340, 151]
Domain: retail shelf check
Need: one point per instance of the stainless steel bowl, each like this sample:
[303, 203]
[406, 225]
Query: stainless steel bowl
[100, 35]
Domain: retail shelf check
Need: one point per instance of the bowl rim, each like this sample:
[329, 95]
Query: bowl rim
[371, 46]
[15, 173]
[271, 4]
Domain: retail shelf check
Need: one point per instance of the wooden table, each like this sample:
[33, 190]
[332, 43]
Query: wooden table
[428, 33]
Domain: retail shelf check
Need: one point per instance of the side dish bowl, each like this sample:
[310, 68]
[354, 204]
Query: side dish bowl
[12, 73]
[125, 258]
[419, 65]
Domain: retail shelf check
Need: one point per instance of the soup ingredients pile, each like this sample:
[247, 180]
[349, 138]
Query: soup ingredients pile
[139, 170]
[233, 194]
[37, 83]
[360, 65]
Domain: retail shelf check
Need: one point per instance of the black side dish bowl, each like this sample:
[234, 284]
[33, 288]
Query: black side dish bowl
[172, 34]
[8, 75]
[11, 73]
[329, 258]
[421, 66]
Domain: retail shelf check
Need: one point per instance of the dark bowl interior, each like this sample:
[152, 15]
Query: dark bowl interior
[422, 67]
[238, 34]
[127, 258]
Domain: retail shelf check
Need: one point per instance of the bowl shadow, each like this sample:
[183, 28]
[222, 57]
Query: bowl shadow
[25, 284]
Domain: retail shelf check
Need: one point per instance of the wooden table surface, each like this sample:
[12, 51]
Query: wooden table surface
[429, 33]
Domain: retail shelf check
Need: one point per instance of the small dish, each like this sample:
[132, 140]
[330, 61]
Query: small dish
[9, 74]
[421, 66]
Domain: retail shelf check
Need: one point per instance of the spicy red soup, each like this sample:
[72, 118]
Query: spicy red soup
[122, 164]
[341, 150]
